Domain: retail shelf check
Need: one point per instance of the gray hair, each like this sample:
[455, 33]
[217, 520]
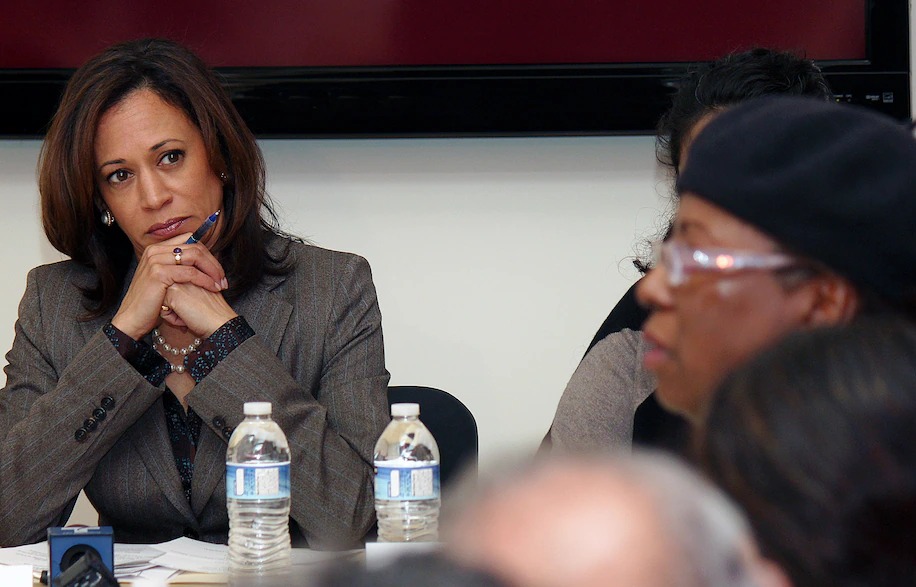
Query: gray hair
[707, 540]
[711, 537]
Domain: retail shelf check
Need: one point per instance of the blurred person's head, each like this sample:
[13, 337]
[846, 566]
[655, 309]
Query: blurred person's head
[794, 213]
[711, 87]
[814, 439]
[641, 521]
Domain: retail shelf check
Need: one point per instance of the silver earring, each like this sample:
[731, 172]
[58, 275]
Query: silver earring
[223, 176]
[108, 218]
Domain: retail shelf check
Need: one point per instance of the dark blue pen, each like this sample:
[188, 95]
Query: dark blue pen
[200, 232]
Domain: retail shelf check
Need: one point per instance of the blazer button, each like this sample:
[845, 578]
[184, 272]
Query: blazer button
[99, 414]
[80, 434]
[90, 425]
[108, 402]
[227, 432]
[218, 422]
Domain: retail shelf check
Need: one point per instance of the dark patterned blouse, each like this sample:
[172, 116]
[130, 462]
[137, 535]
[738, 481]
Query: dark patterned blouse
[183, 427]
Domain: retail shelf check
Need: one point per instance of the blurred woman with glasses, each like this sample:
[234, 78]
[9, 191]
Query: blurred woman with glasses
[793, 214]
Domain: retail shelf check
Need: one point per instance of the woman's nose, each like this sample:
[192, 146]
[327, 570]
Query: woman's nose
[653, 291]
[153, 191]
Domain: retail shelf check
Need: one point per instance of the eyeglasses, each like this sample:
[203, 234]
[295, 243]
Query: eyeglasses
[679, 260]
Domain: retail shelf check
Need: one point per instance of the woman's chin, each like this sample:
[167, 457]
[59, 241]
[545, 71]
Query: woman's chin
[675, 396]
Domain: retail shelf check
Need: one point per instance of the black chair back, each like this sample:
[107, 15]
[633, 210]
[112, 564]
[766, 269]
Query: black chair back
[450, 422]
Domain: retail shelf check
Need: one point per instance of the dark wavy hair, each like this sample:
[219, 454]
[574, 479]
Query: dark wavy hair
[732, 79]
[70, 198]
[721, 83]
[814, 439]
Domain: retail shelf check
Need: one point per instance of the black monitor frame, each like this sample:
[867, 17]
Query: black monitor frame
[495, 100]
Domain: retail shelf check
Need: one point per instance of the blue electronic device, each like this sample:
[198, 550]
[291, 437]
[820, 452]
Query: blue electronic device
[68, 545]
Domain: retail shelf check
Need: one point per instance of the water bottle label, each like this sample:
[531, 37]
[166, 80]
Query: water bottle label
[407, 483]
[257, 481]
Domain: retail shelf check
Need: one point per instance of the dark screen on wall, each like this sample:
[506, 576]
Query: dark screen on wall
[278, 33]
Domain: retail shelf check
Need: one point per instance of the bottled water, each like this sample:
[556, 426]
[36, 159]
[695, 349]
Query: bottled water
[257, 493]
[407, 479]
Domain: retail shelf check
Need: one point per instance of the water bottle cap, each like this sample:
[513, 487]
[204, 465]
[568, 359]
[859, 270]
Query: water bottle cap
[405, 410]
[257, 408]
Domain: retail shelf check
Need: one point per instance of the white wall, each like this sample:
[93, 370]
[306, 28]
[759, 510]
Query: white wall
[495, 259]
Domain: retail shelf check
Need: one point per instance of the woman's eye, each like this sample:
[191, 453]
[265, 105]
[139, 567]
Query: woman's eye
[119, 176]
[171, 157]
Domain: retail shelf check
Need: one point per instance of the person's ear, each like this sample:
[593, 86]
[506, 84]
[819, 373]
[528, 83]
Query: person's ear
[834, 300]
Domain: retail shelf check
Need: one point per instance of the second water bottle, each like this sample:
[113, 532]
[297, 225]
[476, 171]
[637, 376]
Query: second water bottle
[407, 479]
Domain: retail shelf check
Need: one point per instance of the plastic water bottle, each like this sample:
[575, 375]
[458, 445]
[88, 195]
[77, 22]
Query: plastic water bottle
[257, 493]
[407, 479]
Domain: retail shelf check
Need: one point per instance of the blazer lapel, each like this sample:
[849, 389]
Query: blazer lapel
[209, 468]
[268, 315]
[151, 438]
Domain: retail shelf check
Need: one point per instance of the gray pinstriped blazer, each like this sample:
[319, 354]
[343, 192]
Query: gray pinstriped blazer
[317, 356]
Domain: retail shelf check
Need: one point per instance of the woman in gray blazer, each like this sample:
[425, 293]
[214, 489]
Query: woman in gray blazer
[132, 360]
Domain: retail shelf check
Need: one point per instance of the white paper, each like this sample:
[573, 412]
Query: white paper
[31, 554]
[185, 554]
[16, 576]
[193, 564]
[192, 547]
[134, 570]
[153, 576]
[129, 554]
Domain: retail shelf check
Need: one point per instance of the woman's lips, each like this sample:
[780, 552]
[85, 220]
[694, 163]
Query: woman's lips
[655, 355]
[168, 228]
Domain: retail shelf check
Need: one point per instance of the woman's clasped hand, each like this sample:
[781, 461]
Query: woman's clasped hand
[190, 290]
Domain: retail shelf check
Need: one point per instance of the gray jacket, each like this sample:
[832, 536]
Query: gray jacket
[317, 356]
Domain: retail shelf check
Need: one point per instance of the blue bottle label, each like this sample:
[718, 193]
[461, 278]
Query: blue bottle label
[257, 481]
[407, 483]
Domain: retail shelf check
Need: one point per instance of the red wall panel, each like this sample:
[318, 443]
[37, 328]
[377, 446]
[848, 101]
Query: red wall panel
[63, 33]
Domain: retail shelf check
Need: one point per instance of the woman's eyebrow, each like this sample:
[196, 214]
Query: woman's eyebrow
[112, 162]
[161, 144]
[155, 147]
[688, 225]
